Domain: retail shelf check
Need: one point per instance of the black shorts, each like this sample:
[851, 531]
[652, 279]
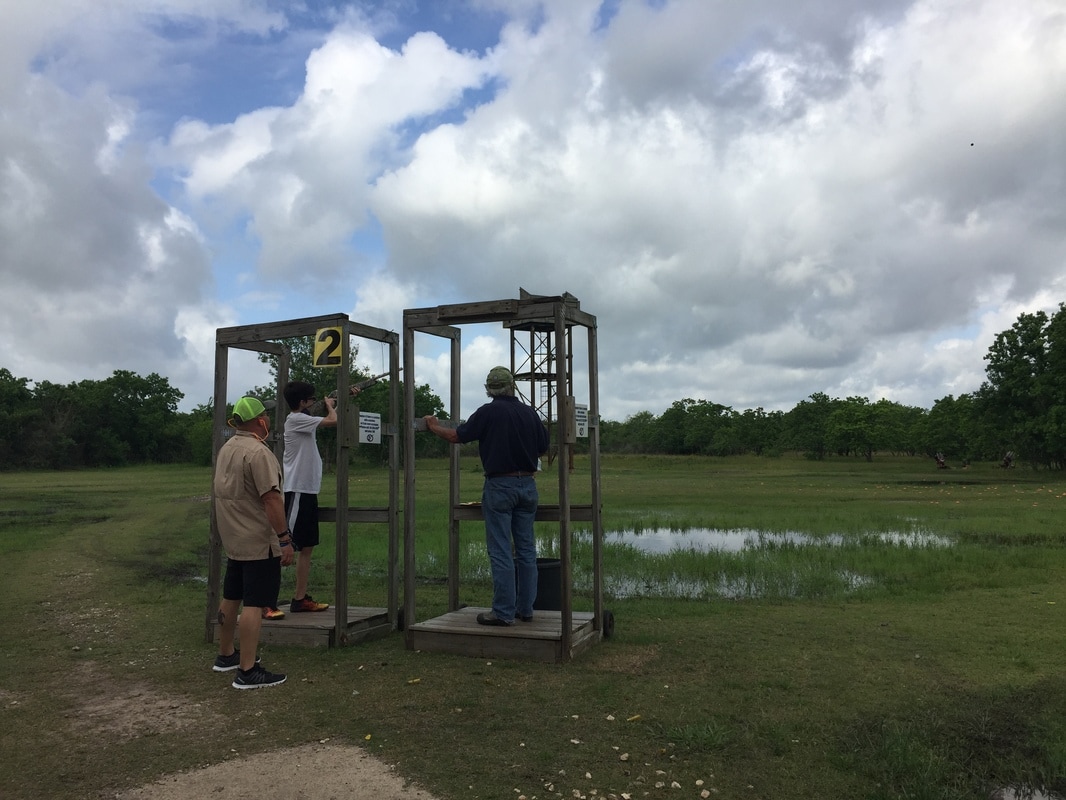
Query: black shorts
[254, 583]
[301, 512]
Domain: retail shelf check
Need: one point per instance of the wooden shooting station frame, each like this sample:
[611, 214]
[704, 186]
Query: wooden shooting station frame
[347, 624]
[552, 636]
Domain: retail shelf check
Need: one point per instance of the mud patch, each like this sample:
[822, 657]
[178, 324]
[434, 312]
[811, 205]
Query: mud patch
[133, 710]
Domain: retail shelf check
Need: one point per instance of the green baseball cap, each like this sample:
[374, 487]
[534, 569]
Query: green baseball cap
[499, 377]
[248, 408]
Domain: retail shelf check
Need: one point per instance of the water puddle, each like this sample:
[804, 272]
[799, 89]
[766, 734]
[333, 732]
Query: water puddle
[744, 582]
[705, 540]
[754, 573]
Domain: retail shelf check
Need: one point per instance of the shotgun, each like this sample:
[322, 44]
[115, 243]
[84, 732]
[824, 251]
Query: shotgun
[320, 406]
[366, 384]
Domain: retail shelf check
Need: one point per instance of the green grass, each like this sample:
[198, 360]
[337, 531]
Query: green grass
[937, 676]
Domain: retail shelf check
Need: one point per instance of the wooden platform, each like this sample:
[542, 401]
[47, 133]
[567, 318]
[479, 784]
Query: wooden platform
[318, 629]
[458, 632]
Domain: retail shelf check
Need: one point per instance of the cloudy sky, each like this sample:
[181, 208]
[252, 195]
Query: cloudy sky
[757, 200]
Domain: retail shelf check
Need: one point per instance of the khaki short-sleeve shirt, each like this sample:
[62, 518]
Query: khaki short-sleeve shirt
[245, 470]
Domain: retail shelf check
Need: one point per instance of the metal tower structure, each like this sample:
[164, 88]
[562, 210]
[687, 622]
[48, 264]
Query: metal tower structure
[533, 357]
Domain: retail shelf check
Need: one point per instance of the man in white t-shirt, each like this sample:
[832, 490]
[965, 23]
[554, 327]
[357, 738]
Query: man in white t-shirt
[302, 467]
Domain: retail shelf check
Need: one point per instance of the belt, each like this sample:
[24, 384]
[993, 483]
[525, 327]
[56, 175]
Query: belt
[509, 474]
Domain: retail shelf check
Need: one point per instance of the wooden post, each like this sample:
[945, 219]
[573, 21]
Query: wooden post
[594, 468]
[409, 563]
[345, 415]
[214, 542]
[395, 416]
[565, 424]
[454, 409]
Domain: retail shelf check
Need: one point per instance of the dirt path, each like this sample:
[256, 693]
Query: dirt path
[318, 771]
[312, 772]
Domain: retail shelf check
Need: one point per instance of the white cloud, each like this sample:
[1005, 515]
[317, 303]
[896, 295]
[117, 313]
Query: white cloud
[99, 272]
[381, 300]
[95, 265]
[302, 173]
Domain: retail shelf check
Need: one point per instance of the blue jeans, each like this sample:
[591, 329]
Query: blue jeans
[509, 506]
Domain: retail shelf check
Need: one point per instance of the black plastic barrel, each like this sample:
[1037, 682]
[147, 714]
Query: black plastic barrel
[549, 585]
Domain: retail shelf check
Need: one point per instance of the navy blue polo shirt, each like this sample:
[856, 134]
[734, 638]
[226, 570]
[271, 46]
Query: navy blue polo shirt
[510, 435]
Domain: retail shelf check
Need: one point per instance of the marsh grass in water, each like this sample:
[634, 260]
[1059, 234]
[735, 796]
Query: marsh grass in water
[733, 564]
[856, 669]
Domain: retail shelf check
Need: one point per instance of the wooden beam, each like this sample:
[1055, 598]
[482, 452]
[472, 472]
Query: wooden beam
[245, 335]
[377, 514]
[419, 424]
[490, 311]
[288, 329]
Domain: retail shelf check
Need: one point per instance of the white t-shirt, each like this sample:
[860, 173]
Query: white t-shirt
[303, 463]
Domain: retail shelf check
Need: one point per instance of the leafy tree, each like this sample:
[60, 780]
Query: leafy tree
[861, 427]
[123, 419]
[759, 432]
[1024, 396]
[51, 444]
[705, 424]
[951, 427]
[127, 418]
[850, 428]
[897, 427]
[806, 424]
[19, 417]
[198, 426]
[612, 436]
[150, 405]
[643, 433]
[670, 428]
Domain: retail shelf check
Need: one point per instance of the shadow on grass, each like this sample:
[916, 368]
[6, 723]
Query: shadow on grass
[968, 745]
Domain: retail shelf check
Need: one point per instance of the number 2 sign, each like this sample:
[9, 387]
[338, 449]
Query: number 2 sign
[328, 347]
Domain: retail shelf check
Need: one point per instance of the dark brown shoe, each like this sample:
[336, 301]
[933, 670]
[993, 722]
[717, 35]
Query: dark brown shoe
[491, 619]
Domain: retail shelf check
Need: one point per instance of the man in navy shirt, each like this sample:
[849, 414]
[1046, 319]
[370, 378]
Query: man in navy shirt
[511, 438]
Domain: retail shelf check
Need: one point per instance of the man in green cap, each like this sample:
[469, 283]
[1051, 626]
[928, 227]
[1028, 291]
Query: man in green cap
[511, 438]
[250, 511]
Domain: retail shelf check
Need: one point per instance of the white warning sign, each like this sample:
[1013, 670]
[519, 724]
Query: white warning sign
[581, 421]
[369, 428]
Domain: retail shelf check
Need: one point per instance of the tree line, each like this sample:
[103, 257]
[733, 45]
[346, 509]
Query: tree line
[1020, 409]
[130, 419]
[1017, 414]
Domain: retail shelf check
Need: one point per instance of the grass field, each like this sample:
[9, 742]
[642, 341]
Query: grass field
[853, 667]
